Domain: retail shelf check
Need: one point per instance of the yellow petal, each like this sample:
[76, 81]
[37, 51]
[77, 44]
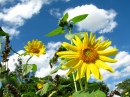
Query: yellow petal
[66, 53]
[69, 56]
[69, 46]
[78, 73]
[101, 64]
[107, 59]
[70, 63]
[83, 69]
[75, 67]
[94, 70]
[110, 52]
[77, 42]
[85, 41]
[87, 73]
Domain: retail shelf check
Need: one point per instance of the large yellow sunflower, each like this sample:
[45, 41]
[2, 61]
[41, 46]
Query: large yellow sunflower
[35, 47]
[88, 56]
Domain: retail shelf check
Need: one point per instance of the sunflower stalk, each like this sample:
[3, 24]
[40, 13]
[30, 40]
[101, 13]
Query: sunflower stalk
[80, 83]
[75, 85]
[28, 59]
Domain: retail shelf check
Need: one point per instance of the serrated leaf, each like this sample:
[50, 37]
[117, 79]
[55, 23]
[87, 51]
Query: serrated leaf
[44, 89]
[27, 68]
[65, 17]
[2, 33]
[34, 68]
[79, 18]
[55, 32]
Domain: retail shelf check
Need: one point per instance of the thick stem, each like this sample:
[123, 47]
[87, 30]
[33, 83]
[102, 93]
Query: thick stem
[74, 82]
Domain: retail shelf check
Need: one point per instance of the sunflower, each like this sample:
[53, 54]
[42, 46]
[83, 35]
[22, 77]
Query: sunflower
[87, 56]
[40, 85]
[35, 47]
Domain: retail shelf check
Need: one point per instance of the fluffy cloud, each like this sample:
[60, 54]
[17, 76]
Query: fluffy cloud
[3, 2]
[98, 19]
[15, 16]
[55, 12]
[66, 0]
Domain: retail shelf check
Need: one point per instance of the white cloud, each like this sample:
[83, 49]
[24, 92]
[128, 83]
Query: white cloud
[66, 0]
[15, 16]
[55, 12]
[98, 19]
[3, 2]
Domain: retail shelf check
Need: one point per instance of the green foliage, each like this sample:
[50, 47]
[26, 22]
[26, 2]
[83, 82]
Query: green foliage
[2, 33]
[124, 86]
[44, 89]
[79, 18]
[66, 25]
[70, 36]
[28, 67]
[58, 31]
[97, 93]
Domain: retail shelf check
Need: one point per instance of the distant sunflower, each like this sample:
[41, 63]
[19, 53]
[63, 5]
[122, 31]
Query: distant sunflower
[40, 85]
[88, 56]
[35, 47]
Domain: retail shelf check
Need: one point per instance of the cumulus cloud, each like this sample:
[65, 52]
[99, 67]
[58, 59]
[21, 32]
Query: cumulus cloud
[15, 16]
[99, 20]
[55, 12]
[66, 0]
[3, 2]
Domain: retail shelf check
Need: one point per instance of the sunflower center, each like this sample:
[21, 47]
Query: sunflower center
[89, 55]
[35, 50]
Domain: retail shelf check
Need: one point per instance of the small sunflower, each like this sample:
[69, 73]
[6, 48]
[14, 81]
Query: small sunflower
[35, 47]
[126, 93]
[40, 85]
[88, 56]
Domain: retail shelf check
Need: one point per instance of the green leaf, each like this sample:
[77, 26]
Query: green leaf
[65, 17]
[55, 32]
[27, 68]
[32, 94]
[97, 93]
[79, 18]
[55, 70]
[44, 89]
[70, 36]
[34, 68]
[2, 33]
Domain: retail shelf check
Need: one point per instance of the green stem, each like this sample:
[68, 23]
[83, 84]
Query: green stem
[74, 82]
[28, 59]
[80, 82]
[86, 83]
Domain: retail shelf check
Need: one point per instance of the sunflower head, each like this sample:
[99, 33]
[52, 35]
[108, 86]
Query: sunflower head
[35, 47]
[40, 85]
[88, 56]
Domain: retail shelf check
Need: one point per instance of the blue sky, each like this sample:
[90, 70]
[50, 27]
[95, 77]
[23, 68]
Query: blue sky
[25, 20]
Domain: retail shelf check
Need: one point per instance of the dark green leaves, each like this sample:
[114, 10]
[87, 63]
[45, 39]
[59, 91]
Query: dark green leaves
[79, 18]
[2, 33]
[58, 31]
[28, 67]
[66, 25]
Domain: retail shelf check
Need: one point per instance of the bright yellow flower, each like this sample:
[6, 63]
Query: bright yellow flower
[35, 47]
[126, 93]
[88, 56]
[40, 85]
